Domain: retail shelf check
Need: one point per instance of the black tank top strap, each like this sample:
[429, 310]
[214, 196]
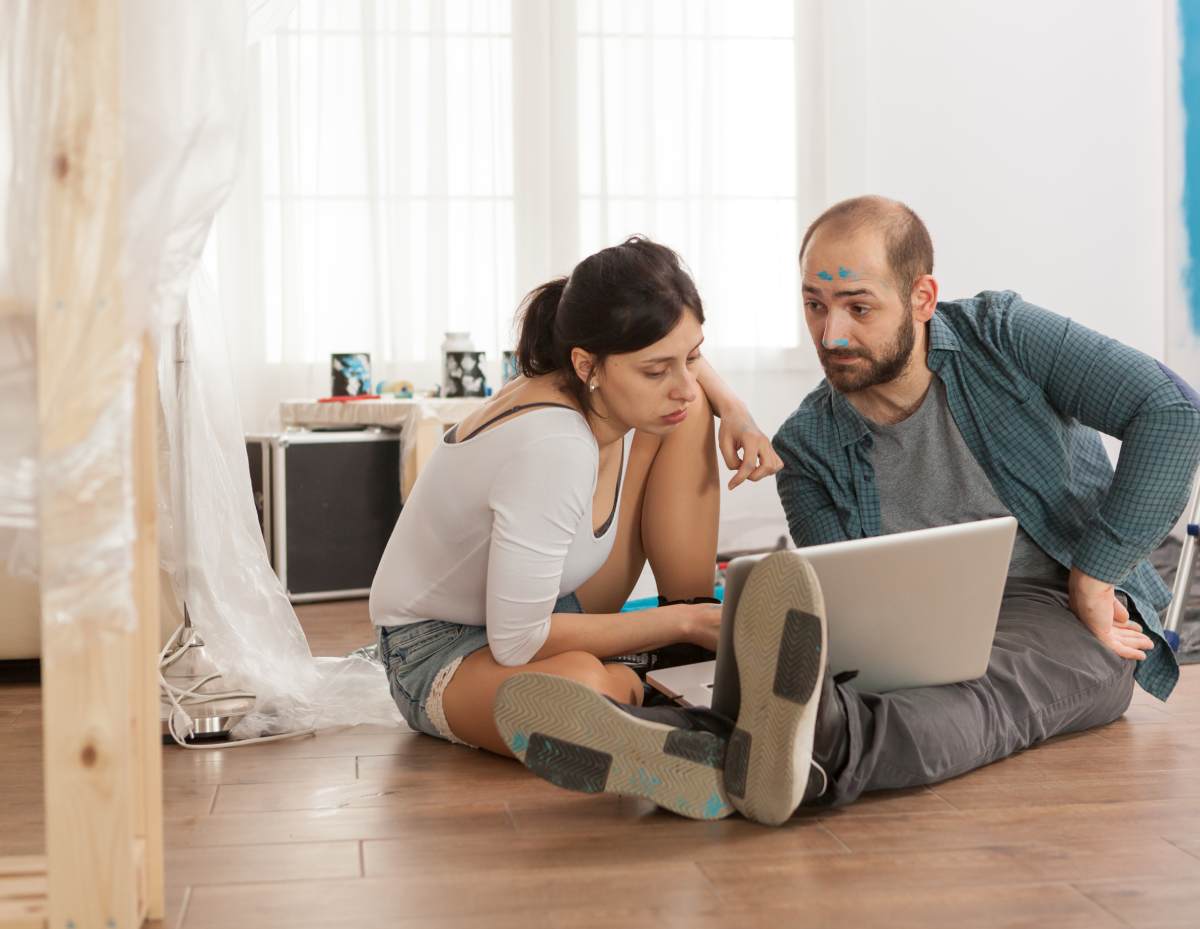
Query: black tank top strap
[509, 412]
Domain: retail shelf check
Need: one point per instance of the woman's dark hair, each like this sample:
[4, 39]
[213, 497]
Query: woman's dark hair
[618, 300]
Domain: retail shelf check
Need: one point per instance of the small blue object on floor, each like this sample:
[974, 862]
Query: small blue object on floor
[649, 603]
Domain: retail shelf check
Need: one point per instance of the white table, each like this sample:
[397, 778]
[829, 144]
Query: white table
[421, 422]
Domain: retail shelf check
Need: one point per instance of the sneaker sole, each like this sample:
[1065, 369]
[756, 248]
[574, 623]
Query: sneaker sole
[570, 735]
[780, 639]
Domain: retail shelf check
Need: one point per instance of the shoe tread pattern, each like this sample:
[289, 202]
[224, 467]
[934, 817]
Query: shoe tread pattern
[779, 637]
[737, 759]
[799, 665]
[703, 748]
[570, 766]
[574, 727]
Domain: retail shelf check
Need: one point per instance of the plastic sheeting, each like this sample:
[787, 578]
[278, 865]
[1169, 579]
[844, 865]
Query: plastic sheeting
[180, 121]
[233, 596]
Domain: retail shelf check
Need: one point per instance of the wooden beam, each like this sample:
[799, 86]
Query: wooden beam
[96, 503]
[148, 786]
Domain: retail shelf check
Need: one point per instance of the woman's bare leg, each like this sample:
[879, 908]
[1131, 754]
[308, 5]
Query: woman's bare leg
[670, 508]
[470, 694]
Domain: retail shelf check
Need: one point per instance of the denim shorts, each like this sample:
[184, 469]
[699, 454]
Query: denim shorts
[421, 659]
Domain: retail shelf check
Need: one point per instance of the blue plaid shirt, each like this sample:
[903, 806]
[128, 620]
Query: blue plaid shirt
[1028, 390]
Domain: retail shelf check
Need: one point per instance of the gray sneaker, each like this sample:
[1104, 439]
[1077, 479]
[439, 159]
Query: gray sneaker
[576, 738]
[780, 641]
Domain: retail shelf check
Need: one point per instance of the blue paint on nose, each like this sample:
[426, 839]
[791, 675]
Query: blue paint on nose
[837, 343]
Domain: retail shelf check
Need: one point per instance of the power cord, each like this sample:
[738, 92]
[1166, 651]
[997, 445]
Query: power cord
[177, 646]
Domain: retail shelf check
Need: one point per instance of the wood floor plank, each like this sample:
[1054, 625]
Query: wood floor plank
[399, 789]
[1191, 846]
[749, 879]
[642, 829]
[20, 696]
[1028, 906]
[1109, 824]
[889, 802]
[340, 742]
[1147, 903]
[617, 832]
[250, 864]
[442, 896]
[466, 824]
[252, 765]
[1068, 790]
[1139, 712]
[1168, 737]
[23, 831]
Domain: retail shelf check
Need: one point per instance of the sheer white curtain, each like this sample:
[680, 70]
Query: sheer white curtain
[375, 211]
[687, 132]
[414, 167]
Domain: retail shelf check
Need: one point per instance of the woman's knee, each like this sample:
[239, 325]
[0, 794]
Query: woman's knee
[624, 684]
[616, 681]
[583, 667]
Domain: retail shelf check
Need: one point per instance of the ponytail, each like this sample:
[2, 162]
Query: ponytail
[536, 352]
[620, 300]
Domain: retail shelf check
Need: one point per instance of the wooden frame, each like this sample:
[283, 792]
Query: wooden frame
[99, 590]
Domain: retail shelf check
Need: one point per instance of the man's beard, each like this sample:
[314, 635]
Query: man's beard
[873, 371]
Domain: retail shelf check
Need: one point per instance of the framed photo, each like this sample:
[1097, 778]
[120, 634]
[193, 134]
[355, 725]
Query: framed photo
[350, 373]
[464, 375]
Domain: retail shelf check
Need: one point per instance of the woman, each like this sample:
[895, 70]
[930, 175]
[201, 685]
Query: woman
[532, 521]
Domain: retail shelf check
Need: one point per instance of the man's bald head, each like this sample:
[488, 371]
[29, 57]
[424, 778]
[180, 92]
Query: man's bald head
[906, 240]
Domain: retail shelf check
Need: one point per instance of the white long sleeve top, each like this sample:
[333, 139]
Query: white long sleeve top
[496, 529]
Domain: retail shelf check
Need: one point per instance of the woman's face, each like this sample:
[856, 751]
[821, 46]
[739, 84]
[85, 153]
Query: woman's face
[652, 389]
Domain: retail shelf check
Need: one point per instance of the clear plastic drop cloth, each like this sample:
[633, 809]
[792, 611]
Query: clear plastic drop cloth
[166, 161]
[219, 560]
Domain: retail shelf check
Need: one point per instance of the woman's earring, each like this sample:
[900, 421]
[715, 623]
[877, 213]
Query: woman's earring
[592, 385]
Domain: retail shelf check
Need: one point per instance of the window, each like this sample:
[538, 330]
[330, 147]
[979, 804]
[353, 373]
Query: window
[387, 134]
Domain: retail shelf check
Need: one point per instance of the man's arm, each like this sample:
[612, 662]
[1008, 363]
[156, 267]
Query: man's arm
[1122, 392]
[811, 515]
[1126, 394]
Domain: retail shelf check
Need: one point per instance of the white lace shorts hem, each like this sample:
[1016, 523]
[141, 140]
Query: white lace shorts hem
[434, 708]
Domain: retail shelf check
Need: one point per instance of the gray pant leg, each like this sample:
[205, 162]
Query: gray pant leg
[1047, 676]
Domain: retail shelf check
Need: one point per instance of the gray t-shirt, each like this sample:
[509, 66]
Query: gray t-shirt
[927, 477]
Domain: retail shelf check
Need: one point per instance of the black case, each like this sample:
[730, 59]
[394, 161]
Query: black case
[328, 502]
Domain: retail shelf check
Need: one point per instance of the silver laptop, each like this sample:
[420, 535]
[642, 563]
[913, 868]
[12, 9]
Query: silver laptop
[912, 609]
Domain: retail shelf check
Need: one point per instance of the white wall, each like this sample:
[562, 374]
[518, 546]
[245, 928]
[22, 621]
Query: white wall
[1029, 135]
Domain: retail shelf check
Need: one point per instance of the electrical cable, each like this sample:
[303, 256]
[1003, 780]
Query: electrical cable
[178, 698]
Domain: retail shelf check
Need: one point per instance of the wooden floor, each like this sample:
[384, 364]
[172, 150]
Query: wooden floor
[373, 828]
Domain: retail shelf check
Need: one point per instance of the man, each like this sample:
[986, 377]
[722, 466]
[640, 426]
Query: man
[938, 413]
[930, 414]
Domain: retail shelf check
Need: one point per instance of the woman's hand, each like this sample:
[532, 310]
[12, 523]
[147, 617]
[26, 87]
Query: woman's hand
[697, 623]
[740, 434]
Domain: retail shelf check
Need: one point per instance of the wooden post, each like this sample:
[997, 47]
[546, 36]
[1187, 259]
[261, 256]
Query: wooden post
[97, 517]
[148, 789]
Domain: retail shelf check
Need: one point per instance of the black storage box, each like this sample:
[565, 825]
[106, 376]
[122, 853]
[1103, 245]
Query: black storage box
[327, 503]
